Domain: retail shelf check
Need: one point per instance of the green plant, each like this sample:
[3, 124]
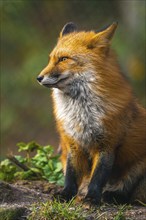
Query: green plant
[120, 215]
[42, 165]
[7, 170]
[60, 211]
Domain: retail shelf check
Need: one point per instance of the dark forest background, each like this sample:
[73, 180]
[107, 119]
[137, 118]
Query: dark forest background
[29, 30]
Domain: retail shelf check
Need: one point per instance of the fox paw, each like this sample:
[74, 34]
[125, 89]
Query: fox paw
[63, 196]
[90, 202]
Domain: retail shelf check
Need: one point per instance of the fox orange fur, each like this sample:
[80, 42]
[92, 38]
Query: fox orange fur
[101, 125]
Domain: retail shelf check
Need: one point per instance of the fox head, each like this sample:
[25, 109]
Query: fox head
[77, 55]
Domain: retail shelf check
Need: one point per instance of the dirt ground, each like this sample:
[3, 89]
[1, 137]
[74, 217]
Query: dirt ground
[18, 196]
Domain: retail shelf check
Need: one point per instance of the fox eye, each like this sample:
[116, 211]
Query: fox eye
[61, 59]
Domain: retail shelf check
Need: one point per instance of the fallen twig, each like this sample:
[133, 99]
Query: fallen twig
[16, 162]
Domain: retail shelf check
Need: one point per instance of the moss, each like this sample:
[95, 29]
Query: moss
[12, 213]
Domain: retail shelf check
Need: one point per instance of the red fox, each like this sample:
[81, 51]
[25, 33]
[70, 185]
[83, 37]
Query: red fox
[101, 125]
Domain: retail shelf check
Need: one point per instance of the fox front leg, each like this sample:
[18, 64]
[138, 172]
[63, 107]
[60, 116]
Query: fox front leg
[71, 181]
[99, 177]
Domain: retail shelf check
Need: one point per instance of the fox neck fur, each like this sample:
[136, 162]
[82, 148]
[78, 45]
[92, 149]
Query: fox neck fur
[80, 110]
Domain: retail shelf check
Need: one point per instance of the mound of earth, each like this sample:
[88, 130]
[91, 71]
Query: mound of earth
[16, 198]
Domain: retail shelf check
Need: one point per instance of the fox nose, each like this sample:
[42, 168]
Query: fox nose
[40, 78]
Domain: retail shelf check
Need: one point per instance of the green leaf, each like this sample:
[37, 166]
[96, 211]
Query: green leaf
[35, 170]
[5, 162]
[21, 159]
[58, 167]
[43, 164]
[2, 176]
[60, 181]
[28, 147]
[24, 175]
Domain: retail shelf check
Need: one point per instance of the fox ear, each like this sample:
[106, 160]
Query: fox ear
[68, 28]
[105, 35]
[108, 32]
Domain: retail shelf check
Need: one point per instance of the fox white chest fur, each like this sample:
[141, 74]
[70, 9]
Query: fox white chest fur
[81, 113]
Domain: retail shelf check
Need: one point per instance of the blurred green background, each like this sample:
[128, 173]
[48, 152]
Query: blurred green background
[29, 30]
